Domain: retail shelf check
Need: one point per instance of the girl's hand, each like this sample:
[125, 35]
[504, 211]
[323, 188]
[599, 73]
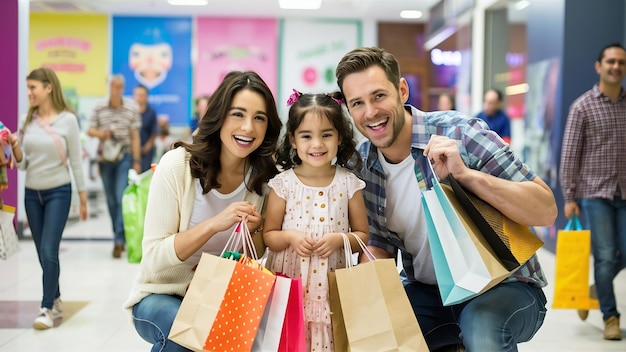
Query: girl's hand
[233, 213]
[301, 243]
[329, 243]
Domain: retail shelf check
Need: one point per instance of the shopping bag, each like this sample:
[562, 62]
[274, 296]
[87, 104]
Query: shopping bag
[225, 301]
[134, 202]
[512, 242]
[571, 282]
[293, 336]
[376, 311]
[468, 255]
[9, 242]
[241, 309]
[340, 338]
[270, 329]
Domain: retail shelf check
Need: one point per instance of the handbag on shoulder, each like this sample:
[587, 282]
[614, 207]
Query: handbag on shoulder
[111, 151]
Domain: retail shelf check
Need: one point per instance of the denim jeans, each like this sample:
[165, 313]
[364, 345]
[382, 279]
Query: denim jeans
[606, 219]
[497, 320]
[153, 318]
[115, 180]
[47, 211]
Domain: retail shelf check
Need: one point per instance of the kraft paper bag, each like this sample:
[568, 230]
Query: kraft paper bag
[512, 242]
[571, 282]
[340, 339]
[376, 311]
[202, 301]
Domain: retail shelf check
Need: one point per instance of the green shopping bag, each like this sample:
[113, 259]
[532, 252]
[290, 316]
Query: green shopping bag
[134, 203]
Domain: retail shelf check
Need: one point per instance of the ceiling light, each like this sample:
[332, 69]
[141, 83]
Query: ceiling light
[522, 4]
[411, 14]
[188, 2]
[300, 4]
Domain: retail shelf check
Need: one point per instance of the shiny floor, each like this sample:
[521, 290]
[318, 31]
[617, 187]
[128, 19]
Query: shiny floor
[94, 286]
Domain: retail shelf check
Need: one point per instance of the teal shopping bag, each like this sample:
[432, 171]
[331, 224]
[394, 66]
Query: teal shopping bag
[134, 203]
[465, 263]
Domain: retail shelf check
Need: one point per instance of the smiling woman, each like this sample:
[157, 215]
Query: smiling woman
[199, 191]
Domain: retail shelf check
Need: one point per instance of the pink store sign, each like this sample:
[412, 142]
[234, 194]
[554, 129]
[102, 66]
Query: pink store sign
[227, 44]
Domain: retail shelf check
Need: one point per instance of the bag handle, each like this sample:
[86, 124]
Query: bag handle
[55, 137]
[573, 223]
[240, 238]
[363, 246]
[347, 248]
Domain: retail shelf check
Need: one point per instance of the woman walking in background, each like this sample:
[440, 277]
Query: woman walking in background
[47, 148]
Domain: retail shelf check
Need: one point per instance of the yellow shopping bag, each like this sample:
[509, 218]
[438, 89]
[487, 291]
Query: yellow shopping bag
[571, 286]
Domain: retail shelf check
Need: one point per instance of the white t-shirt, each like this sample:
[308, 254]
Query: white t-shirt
[207, 206]
[405, 215]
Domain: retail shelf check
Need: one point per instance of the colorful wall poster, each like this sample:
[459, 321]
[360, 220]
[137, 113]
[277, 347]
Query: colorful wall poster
[309, 53]
[229, 44]
[75, 46]
[156, 52]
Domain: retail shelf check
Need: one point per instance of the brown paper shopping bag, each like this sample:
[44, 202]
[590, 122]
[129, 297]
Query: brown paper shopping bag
[340, 339]
[376, 310]
[571, 282]
[202, 301]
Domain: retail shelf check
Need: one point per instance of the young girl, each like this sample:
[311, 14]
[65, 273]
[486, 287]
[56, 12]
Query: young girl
[312, 203]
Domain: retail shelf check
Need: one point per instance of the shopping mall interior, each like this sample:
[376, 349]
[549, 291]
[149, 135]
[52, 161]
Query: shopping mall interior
[539, 53]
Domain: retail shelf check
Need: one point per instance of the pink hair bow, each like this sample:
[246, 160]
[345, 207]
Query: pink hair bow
[293, 97]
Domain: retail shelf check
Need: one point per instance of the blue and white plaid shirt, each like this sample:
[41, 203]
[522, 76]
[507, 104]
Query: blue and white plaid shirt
[481, 149]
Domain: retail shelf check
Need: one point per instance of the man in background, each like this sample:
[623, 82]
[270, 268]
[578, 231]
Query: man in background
[116, 122]
[593, 176]
[494, 116]
[149, 126]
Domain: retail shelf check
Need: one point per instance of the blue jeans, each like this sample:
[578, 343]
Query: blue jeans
[115, 180]
[497, 320]
[47, 211]
[153, 318]
[607, 221]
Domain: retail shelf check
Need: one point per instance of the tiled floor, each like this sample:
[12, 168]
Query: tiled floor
[95, 286]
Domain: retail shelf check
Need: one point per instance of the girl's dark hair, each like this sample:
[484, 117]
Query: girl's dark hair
[327, 105]
[206, 146]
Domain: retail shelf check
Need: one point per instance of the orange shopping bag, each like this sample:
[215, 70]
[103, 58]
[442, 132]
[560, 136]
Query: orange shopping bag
[571, 282]
[226, 298]
[240, 313]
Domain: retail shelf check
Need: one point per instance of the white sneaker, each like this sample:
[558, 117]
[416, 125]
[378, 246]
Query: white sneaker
[44, 320]
[57, 312]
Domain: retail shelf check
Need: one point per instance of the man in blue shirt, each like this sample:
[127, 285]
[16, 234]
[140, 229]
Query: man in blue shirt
[149, 126]
[493, 115]
[399, 137]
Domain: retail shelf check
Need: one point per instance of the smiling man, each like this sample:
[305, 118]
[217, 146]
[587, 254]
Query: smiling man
[593, 176]
[399, 137]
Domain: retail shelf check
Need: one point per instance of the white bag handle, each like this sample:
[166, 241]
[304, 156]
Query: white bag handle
[241, 238]
[347, 248]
